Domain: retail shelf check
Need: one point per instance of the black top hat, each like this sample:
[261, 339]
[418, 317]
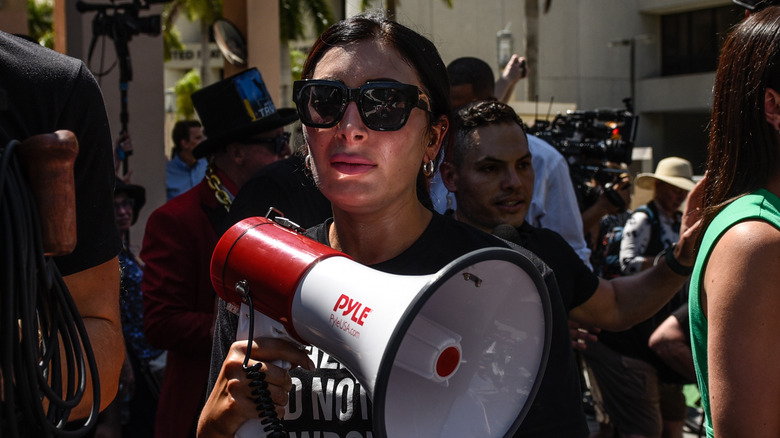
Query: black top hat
[236, 108]
[136, 193]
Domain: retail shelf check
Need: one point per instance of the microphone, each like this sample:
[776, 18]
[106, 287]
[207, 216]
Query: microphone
[508, 233]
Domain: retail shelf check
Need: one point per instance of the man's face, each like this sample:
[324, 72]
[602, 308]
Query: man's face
[123, 211]
[461, 95]
[494, 183]
[669, 197]
[259, 155]
[196, 136]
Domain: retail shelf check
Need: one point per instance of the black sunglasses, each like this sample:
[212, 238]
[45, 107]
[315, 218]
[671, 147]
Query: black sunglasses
[279, 142]
[383, 106]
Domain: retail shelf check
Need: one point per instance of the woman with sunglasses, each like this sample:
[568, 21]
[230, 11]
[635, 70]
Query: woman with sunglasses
[374, 103]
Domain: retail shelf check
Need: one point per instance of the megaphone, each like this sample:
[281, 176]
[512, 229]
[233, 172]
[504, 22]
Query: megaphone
[457, 353]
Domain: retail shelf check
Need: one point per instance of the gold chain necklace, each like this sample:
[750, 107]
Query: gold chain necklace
[222, 195]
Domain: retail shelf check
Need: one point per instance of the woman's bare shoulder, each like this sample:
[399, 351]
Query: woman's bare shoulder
[746, 258]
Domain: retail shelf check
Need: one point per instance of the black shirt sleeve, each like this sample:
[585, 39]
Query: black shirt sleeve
[98, 238]
[45, 92]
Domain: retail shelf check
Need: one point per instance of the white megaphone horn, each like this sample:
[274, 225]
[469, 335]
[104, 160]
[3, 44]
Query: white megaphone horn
[457, 353]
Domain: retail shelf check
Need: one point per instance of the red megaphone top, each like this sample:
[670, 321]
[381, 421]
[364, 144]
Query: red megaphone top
[270, 259]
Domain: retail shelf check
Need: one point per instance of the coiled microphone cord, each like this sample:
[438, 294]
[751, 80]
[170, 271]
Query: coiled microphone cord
[265, 406]
[41, 331]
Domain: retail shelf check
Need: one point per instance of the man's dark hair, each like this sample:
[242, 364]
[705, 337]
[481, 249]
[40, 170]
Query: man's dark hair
[181, 132]
[476, 115]
[473, 71]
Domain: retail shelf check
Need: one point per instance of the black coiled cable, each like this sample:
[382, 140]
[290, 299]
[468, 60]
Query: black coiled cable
[265, 405]
[41, 332]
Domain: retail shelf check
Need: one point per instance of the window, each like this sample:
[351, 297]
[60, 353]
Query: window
[690, 41]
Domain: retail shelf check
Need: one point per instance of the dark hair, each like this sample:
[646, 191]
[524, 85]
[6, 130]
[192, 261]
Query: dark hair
[181, 132]
[419, 52]
[474, 72]
[473, 116]
[743, 146]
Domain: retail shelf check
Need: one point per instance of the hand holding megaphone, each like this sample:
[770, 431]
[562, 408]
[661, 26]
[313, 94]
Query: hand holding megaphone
[248, 376]
[263, 330]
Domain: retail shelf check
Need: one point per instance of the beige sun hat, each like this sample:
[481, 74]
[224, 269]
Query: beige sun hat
[672, 170]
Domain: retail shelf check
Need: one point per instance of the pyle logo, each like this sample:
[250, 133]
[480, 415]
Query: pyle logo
[349, 306]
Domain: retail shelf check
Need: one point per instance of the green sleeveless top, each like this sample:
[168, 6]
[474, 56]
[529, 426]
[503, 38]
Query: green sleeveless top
[761, 205]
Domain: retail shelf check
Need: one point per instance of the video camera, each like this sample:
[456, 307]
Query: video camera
[591, 141]
[121, 26]
[125, 22]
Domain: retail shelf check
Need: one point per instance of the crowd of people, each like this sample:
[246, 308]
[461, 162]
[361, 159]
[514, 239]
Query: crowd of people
[404, 164]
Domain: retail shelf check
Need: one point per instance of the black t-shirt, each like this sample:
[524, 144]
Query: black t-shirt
[285, 185]
[557, 409]
[312, 412]
[42, 91]
[576, 282]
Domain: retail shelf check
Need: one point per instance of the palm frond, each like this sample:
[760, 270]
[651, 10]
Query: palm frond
[293, 15]
[321, 14]
[290, 21]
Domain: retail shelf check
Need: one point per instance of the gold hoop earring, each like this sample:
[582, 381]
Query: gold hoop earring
[428, 169]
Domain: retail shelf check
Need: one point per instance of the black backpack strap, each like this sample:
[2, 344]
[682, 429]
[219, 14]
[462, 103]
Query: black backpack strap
[655, 245]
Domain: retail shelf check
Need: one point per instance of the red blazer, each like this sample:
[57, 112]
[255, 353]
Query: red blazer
[179, 301]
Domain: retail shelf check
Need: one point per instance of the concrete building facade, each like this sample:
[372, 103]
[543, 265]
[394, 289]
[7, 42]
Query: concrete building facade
[585, 58]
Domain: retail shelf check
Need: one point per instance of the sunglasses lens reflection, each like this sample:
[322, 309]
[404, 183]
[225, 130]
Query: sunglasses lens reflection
[385, 107]
[325, 104]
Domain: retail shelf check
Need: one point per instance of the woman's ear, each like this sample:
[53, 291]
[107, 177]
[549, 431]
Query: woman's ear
[772, 108]
[449, 176]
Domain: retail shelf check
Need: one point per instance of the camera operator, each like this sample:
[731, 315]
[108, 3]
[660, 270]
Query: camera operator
[613, 198]
[597, 145]
[607, 214]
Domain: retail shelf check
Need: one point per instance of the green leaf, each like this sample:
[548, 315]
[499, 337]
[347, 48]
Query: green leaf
[40, 21]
